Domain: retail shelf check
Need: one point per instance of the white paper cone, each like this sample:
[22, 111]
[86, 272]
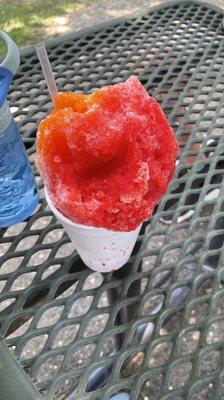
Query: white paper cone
[100, 249]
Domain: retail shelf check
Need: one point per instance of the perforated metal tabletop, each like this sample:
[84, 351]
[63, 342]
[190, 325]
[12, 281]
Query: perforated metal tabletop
[154, 329]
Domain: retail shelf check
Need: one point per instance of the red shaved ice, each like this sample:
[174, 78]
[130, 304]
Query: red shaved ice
[107, 158]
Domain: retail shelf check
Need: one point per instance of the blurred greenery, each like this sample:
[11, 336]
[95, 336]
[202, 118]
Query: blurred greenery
[26, 21]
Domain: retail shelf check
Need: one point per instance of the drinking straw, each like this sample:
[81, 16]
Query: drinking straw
[47, 71]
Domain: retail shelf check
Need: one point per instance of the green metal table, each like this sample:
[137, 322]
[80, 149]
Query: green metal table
[155, 328]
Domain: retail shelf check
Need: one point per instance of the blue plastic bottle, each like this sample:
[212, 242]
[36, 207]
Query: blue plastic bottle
[18, 192]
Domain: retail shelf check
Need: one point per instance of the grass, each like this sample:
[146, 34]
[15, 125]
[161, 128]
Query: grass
[26, 21]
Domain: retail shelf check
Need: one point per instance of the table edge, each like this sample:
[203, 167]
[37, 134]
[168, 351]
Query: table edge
[106, 24]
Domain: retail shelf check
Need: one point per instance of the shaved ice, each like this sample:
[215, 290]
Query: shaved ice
[107, 158]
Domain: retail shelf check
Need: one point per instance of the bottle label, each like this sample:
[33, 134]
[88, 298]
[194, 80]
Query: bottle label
[18, 195]
[5, 117]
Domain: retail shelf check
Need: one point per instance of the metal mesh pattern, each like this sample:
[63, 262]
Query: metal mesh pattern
[56, 314]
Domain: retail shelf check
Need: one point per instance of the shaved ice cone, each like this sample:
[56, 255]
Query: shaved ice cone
[106, 159]
[100, 249]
